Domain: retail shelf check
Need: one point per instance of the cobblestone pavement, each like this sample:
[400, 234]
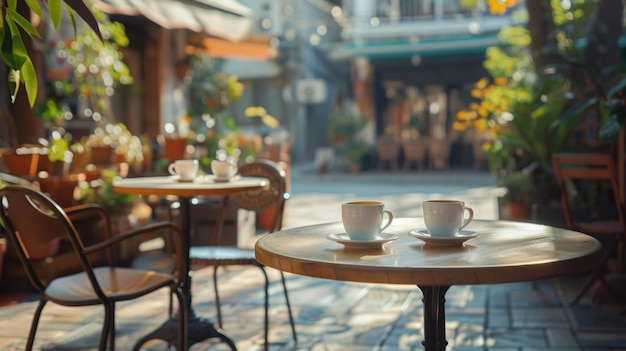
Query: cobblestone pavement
[332, 315]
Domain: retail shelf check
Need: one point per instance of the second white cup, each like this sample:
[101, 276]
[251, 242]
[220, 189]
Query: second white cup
[186, 169]
[446, 218]
[363, 220]
[223, 169]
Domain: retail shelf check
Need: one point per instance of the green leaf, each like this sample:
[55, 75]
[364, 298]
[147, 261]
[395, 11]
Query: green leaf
[23, 22]
[17, 51]
[34, 6]
[54, 6]
[86, 14]
[29, 77]
[617, 87]
[576, 110]
[72, 16]
[610, 129]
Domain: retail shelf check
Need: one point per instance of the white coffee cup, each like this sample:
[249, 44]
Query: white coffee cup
[185, 169]
[446, 218]
[363, 220]
[223, 169]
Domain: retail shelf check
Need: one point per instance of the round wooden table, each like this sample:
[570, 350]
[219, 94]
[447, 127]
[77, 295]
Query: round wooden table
[198, 328]
[503, 252]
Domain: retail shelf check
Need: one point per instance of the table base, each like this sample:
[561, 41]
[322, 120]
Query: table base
[198, 329]
[434, 317]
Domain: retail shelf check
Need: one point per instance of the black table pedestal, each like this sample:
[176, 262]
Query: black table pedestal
[198, 329]
[434, 317]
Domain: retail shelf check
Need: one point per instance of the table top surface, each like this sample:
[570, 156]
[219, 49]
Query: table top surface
[202, 185]
[503, 252]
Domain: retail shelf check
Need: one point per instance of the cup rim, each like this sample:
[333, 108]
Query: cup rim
[444, 201]
[363, 203]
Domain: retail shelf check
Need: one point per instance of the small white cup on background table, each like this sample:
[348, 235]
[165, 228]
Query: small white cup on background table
[186, 170]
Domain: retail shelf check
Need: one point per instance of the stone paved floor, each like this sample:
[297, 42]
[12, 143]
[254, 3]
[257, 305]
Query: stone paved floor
[333, 315]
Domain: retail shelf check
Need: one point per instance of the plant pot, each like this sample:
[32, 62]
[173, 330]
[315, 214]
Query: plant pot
[102, 155]
[128, 249]
[21, 164]
[518, 211]
[174, 149]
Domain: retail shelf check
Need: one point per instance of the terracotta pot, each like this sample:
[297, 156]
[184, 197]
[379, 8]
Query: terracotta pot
[175, 148]
[102, 155]
[126, 251]
[22, 164]
[518, 211]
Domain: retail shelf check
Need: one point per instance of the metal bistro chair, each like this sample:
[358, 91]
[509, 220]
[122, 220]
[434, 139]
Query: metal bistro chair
[30, 217]
[216, 256]
[572, 171]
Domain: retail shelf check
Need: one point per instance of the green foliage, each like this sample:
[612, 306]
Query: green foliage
[518, 187]
[342, 127]
[355, 151]
[210, 89]
[101, 192]
[13, 50]
[98, 67]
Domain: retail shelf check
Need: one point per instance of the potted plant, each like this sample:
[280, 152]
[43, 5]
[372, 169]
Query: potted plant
[355, 152]
[118, 206]
[518, 194]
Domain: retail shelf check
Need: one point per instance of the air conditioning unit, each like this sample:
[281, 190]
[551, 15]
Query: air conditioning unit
[311, 91]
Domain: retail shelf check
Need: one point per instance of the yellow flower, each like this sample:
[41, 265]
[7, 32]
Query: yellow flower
[501, 81]
[499, 7]
[270, 121]
[255, 111]
[482, 83]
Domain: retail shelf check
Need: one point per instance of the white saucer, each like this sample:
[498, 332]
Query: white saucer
[177, 179]
[221, 179]
[377, 243]
[462, 237]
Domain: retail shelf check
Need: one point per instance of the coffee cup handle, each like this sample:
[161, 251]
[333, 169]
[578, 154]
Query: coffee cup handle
[172, 168]
[389, 219]
[469, 219]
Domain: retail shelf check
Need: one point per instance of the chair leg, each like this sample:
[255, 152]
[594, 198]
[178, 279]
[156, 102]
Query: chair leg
[182, 319]
[598, 275]
[291, 321]
[217, 298]
[34, 325]
[267, 307]
[106, 329]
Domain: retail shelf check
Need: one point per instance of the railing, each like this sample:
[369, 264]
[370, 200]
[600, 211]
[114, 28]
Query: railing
[394, 11]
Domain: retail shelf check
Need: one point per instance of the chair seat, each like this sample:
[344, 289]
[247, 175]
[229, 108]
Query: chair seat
[225, 255]
[118, 283]
[157, 260]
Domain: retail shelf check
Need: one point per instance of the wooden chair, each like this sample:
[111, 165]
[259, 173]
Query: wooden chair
[387, 151]
[31, 217]
[414, 153]
[216, 256]
[598, 173]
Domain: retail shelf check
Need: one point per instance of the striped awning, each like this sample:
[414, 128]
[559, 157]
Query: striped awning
[225, 19]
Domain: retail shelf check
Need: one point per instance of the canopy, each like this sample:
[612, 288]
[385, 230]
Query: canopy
[226, 19]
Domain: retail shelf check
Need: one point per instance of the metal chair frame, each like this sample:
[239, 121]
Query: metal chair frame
[30, 217]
